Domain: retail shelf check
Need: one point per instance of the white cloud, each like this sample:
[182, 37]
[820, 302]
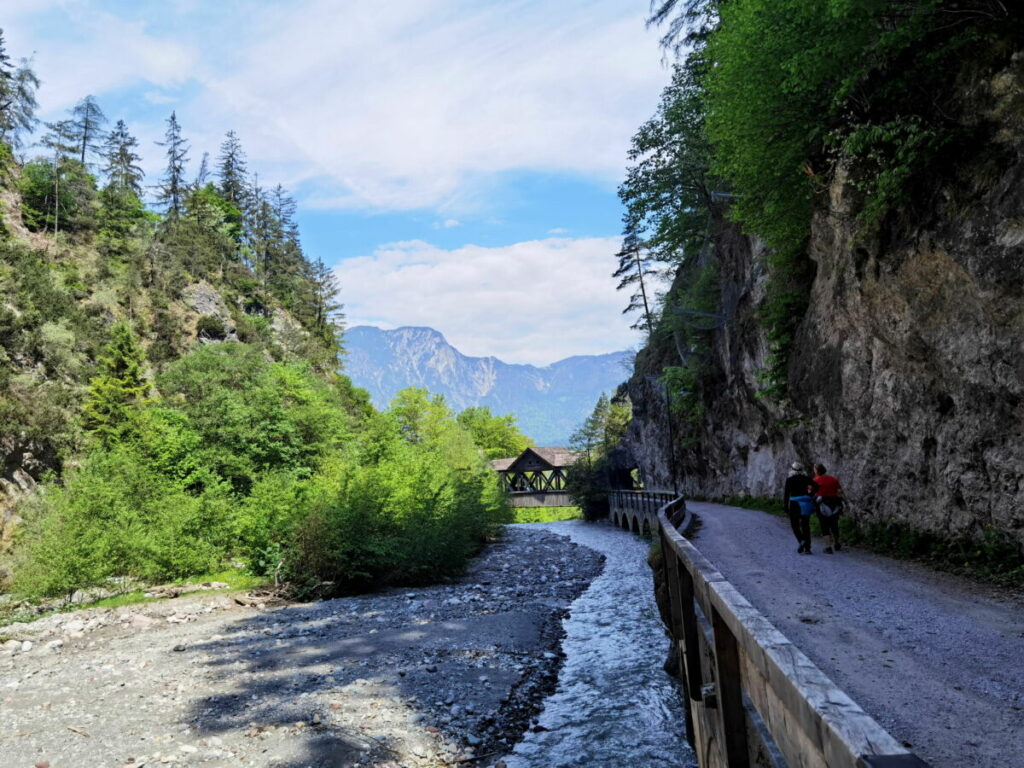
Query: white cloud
[531, 302]
[402, 109]
[558, 231]
[409, 104]
[102, 52]
[447, 224]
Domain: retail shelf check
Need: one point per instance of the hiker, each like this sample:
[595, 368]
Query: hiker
[799, 505]
[829, 497]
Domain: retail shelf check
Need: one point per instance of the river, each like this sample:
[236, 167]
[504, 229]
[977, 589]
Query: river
[614, 705]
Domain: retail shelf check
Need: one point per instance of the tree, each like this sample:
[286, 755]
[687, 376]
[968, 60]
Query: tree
[588, 479]
[122, 161]
[18, 86]
[87, 119]
[231, 169]
[120, 387]
[60, 139]
[635, 271]
[419, 413]
[327, 321]
[496, 436]
[171, 192]
[203, 174]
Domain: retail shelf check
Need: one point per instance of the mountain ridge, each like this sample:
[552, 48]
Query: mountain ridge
[549, 401]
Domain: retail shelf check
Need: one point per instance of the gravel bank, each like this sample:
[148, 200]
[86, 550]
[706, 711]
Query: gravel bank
[425, 677]
[936, 659]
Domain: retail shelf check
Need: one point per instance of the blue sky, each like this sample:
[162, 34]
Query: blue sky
[456, 161]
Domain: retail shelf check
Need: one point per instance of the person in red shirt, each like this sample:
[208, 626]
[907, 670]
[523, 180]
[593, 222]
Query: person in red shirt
[829, 495]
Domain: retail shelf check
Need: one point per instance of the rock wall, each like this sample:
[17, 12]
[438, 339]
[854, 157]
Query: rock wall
[907, 373]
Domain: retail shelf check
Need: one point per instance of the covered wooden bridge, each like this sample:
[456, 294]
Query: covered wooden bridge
[536, 477]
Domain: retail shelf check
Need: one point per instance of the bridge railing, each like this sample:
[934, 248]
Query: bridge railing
[754, 696]
[634, 510]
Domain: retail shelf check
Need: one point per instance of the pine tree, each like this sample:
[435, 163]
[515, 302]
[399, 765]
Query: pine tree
[634, 272]
[122, 208]
[87, 119]
[119, 388]
[591, 435]
[171, 192]
[18, 86]
[122, 170]
[327, 320]
[231, 169]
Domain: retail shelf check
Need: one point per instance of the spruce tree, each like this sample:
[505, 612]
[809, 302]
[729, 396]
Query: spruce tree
[327, 320]
[171, 192]
[119, 388]
[231, 169]
[87, 119]
[122, 162]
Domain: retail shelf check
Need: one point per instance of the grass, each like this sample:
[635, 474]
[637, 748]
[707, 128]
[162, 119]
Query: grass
[547, 514]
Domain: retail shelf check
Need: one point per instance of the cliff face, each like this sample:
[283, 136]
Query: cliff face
[907, 373]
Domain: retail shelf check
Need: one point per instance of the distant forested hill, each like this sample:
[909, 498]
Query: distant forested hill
[549, 402]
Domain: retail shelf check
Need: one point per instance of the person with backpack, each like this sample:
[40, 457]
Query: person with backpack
[829, 497]
[799, 504]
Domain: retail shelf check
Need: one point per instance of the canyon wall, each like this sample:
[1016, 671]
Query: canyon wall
[906, 376]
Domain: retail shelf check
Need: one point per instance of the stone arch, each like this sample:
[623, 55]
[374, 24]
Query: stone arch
[636, 525]
[645, 530]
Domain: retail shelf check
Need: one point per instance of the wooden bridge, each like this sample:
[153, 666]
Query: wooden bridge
[536, 477]
[753, 698]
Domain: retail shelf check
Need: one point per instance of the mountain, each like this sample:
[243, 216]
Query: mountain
[550, 402]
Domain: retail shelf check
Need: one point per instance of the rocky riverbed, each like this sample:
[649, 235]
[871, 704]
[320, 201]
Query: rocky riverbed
[446, 675]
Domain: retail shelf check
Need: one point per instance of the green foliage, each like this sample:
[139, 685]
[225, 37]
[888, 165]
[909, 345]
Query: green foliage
[697, 289]
[211, 327]
[497, 436]
[254, 416]
[58, 196]
[117, 516]
[992, 555]
[587, 481]
[773, 96]
[118, 389]
[546, 514]
[415, 504]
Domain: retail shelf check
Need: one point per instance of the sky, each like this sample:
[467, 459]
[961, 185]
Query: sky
[456, 161]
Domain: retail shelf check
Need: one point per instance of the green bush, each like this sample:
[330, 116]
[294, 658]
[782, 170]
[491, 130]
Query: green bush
[254, 416]
[414, 503]
[211, 327]
[116, 516]
[546, 514]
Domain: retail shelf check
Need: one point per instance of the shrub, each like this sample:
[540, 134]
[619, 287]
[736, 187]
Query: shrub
[116, 516]
[211, 327]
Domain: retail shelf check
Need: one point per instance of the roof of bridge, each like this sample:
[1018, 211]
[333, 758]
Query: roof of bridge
[556, 456]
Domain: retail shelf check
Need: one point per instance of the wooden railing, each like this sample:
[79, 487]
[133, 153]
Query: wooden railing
[754, 698]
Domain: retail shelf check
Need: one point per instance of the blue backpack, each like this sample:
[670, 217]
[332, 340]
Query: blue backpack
[806, 504]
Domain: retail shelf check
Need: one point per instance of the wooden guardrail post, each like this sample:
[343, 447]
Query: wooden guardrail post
[729, 692]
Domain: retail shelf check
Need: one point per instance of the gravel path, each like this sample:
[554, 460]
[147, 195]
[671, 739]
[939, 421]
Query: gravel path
[937, 660]
[424, 677]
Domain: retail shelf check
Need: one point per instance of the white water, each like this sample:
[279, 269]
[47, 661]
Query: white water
[614, 705]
